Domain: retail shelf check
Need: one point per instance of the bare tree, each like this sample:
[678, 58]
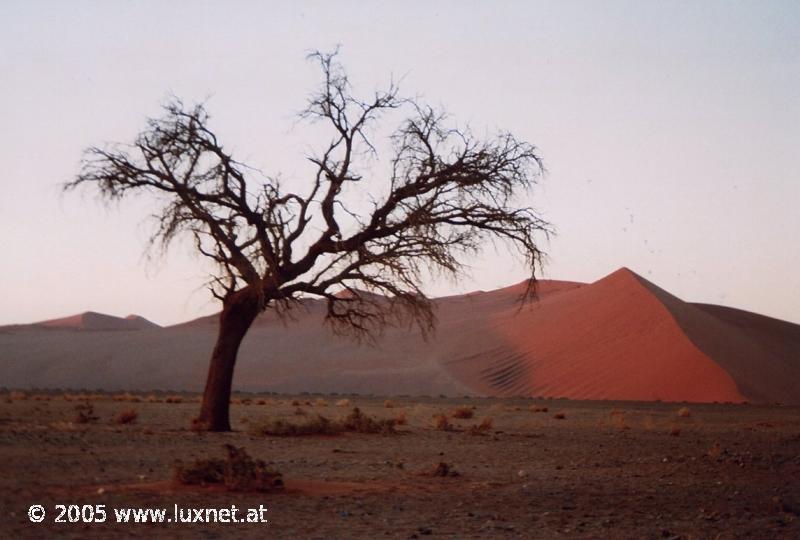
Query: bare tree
[446, 194]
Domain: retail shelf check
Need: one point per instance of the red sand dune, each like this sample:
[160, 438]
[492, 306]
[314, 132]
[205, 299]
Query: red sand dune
[612, 339]
[91, 320]
[620, 337]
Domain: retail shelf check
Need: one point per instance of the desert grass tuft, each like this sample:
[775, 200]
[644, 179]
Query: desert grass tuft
[85, 414]
[359, 422]
[559, 416]
[483, 427]
[355, 422]
[238, 472]
[441, 470]
[126, 417]
[277, 427]
[684, 412]
[462, 412]
[441, 423]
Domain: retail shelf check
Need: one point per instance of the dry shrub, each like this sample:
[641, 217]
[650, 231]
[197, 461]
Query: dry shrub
[441, 423]
[85, 414]
[388, 404]
[463, 412]
[538, 409]
[238, 472]
[684, 412]
[320, 402]
[126, 417]
[127, 397]
[318, 425]
[441, 470]
[343, 403]
[648, 423]
[401, 419]
[299, 412]
[359, 422]
[355, 422]
[261, 402]
[675, 431]
[715, 451]
[559, 416]
[295, 403]
[174, 399]
[152, 398]
[482, 427]
[247, 401]
[618, 420]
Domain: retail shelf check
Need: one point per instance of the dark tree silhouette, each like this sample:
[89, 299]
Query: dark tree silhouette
[446, 194]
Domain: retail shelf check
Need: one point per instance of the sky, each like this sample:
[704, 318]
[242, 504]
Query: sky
[669, 131]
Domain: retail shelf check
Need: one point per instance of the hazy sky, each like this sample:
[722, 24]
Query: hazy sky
[670, 131]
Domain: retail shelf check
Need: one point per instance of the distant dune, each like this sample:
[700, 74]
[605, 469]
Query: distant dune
[620, 337]
[91, 320]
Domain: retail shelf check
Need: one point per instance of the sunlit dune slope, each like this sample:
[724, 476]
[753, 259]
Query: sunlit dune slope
[612, 339]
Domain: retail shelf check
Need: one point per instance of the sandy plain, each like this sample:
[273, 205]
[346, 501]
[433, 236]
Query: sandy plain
[604, 470]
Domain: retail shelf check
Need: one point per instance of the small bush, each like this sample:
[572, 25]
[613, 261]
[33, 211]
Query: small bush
[320, 402]
[261, 402]
[152, 399]
[388, 404]
[675, 431]
[85, 414]
[481, 428]
[441, 470]
[537, 409]
[559, 416]
[684, 412]
[238, 472]
[343, 403]
[401, 419]
[441, 423]
[128, 397]
[358, 422]
[174, 399]
[295, 403]
[618, 420]
[126, 417]
[355, 422]
[462, 412]
[277, 427]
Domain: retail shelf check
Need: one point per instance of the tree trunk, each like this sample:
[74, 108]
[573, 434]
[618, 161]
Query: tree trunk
[238, 312]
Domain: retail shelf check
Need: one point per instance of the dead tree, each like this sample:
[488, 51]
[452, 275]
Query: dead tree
[447, 194]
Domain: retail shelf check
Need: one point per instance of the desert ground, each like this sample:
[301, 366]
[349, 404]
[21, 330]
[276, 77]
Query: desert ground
[524, 468]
